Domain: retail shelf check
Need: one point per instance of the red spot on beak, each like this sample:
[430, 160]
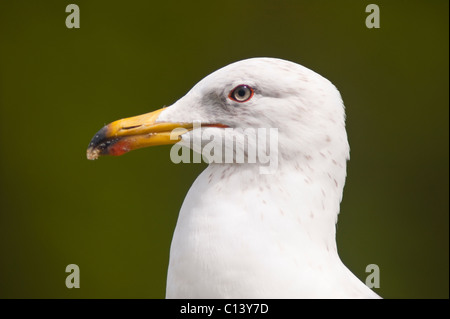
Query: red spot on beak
[119, 148]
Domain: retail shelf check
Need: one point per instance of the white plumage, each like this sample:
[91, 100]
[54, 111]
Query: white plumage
[242, 234]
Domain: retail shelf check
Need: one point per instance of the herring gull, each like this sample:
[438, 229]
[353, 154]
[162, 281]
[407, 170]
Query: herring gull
[242, 232]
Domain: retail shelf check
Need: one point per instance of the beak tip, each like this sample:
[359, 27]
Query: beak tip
[92, 153]
[98, 144]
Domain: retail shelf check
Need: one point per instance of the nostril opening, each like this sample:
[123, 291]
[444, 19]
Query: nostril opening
[129, 127]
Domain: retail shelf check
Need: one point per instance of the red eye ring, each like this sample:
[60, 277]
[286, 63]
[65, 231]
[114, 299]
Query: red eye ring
[241, 93]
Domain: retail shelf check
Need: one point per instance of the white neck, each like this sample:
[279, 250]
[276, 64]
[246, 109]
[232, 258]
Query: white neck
[304, 194]
[241, 224]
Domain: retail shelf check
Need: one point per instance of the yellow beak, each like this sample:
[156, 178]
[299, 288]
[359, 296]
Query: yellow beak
[135, 132]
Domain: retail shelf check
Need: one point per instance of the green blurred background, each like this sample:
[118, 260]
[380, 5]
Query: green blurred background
[115, 217]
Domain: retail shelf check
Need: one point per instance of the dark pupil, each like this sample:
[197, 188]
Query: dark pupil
[241, 92]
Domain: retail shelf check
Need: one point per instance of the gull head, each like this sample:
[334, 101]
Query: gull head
[259, 93]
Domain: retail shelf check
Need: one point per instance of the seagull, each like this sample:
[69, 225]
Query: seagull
[243, 232]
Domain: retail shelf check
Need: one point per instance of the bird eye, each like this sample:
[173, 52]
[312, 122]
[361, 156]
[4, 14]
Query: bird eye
[241, 93]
